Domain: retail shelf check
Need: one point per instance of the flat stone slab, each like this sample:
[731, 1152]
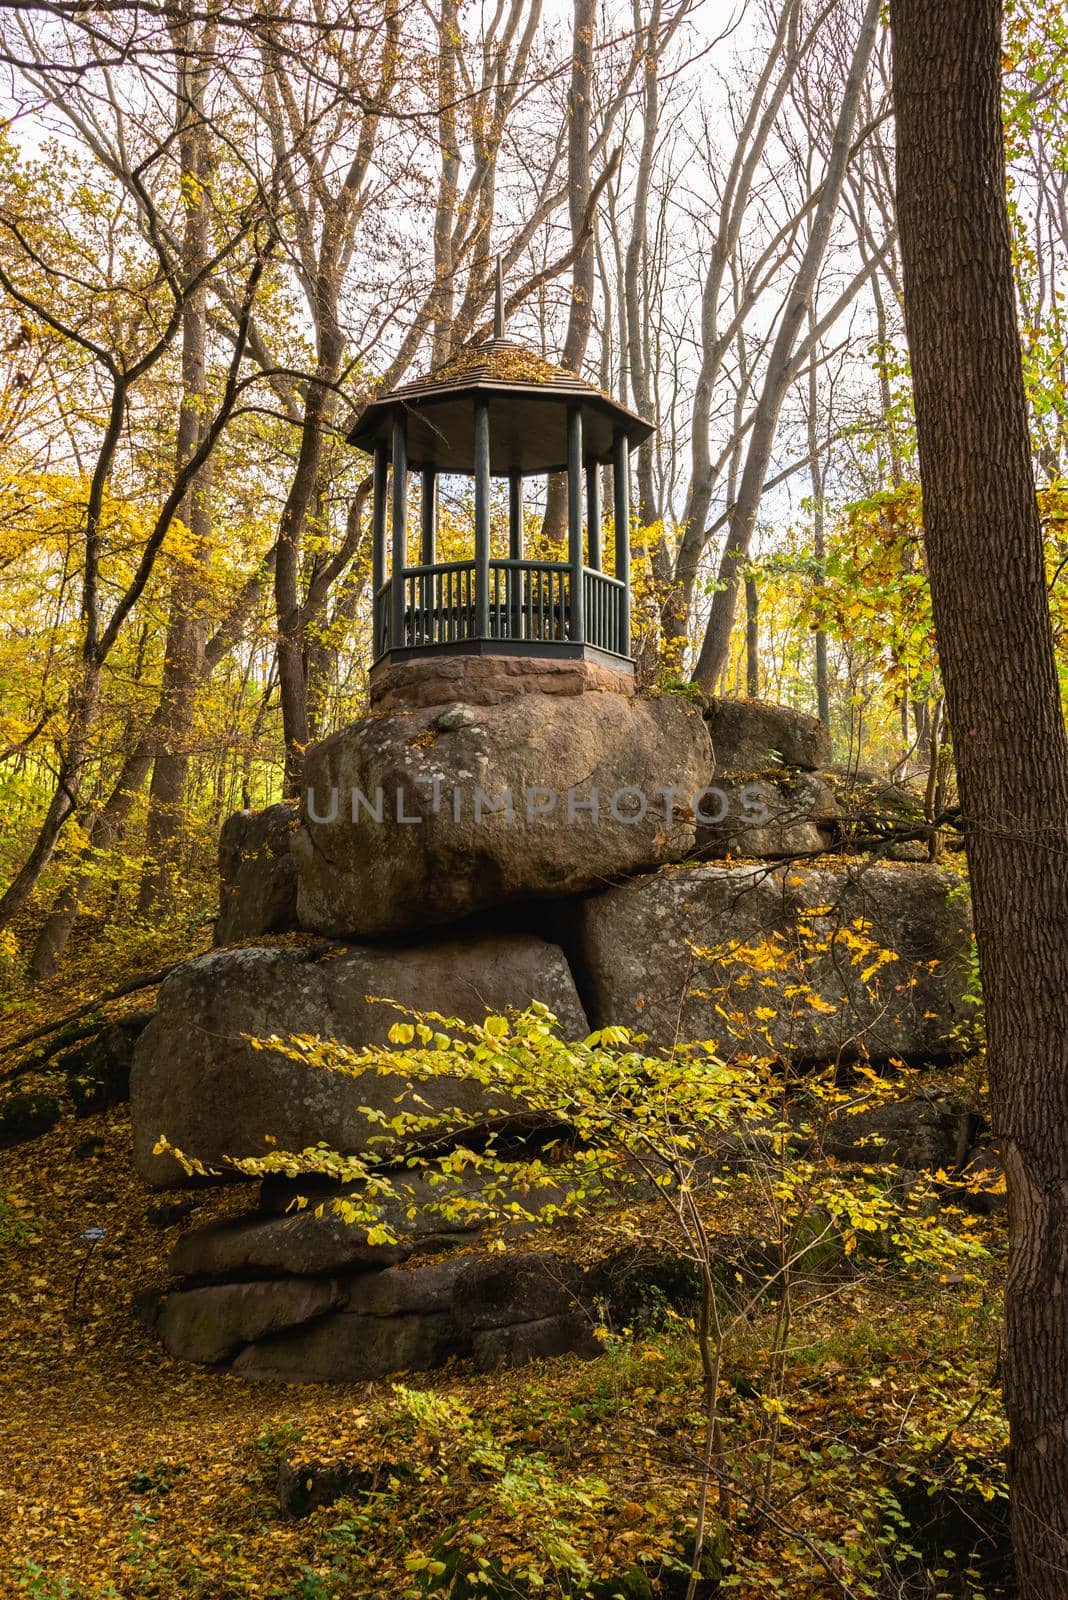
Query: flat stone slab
[209, 1325]
[367, 1325]
[487, 680]
[349, 1348]
[283, 1237]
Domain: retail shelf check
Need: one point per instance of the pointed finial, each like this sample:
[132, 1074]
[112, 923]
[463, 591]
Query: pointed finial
[498, 309]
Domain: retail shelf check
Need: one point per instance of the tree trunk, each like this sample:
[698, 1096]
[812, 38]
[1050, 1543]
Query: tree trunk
[448, 183]
[101, 633]
[752, 638]
[84, 700]
[318, 410]
[988, 583]
[104, 831]
[819, 537]
[185, 628]
[109, 821]
[633, 270]
[181, 671]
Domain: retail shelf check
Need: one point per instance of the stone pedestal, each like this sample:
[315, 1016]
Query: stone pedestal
[477, 680]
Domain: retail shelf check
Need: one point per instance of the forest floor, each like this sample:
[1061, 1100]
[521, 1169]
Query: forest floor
[872, 1465]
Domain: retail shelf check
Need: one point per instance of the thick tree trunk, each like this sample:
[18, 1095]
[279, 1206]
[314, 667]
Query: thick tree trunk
[185, 628]
[988, 581]
[289, 607]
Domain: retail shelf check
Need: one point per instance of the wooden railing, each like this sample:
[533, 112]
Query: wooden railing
[529, 603]
[605, 626]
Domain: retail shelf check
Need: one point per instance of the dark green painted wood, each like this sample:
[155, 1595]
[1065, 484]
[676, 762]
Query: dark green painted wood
[531, 649]
[576, 607]
[593, 516]
[482, 517]
[429, 518]
[515, 516]
[515, 547]
[400, 531]
[621, 498]
[378, 520]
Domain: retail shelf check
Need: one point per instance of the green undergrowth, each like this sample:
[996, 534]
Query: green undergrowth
[870, 1463]
[850, 1441]
[878, 1471]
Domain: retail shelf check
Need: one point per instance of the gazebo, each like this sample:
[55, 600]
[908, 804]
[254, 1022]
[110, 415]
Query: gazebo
[500, 410]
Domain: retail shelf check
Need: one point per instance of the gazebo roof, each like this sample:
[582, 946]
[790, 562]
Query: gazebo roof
[529, 399]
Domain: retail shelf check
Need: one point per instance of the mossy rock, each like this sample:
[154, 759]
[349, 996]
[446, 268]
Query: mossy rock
[492, 1583]
[460, 1579]
[26, 1116]
[633, 1584]
[306, 1486]
[937, 1517]
[673, 1585]
[98, 1071]
[637, 1287]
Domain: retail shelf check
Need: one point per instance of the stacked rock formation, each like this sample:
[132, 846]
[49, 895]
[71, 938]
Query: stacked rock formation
[614, 857]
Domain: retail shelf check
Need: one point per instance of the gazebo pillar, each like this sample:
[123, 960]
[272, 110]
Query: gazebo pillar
[593, 516]
[400, 532]
[378, 542]
[515, 516]
[429, 518]
[482, 518]
[514, 586]
[577, 628]
[621, 497]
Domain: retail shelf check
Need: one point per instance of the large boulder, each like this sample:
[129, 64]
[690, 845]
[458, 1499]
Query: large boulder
[398, 827]
[796, 962]
[753, 735]
[258, 878]
[771, 818]
[198, 1080]
[915, 1134]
